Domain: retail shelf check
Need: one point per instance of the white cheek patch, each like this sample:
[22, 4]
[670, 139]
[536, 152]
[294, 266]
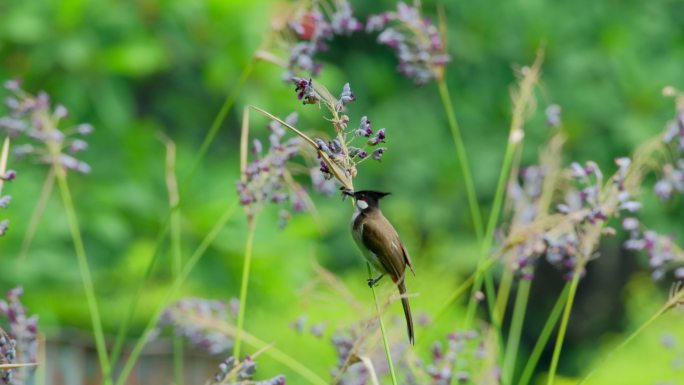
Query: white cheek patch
[362, 205]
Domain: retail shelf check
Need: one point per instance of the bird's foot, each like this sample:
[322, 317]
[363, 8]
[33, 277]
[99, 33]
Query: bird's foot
[374, 281]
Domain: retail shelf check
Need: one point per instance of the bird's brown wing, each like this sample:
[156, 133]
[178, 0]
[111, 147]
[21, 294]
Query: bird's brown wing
[381, 238]
[407, 258]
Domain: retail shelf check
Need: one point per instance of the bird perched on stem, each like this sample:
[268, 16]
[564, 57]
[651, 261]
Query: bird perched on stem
[381, 245]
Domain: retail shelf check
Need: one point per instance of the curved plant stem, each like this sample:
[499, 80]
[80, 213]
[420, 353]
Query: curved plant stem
[462, 158]
[491, 226]
[244, 285]
[673, 301]
[518, 319]
[465, 285]
[220, 118]
[468, 181]
[268, 349]
[564, 324]
[522, 99]
[385, 341]
[175, 286]
[84, 269]
[549, 325]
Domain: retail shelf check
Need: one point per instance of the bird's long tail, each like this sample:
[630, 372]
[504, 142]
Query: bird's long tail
[407, 310]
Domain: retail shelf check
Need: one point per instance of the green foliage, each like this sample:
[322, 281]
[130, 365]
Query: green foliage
[135, 69]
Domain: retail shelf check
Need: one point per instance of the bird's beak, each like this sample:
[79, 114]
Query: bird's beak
[346, 192]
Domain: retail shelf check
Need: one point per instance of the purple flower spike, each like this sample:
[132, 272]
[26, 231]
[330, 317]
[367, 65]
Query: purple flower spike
[416, 41]
[35, 125]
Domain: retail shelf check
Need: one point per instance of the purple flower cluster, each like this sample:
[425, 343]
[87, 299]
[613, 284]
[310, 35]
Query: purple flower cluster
[663, 254]
[35, 119]
[305, 91]
[348, 370]
[585, 206]
[180, 315]
[415, 40]
[266, 178]
[671, 181]
[313, 31]
[242, 372]
[341, 150]
[525, 195]
[453, 364]
[18, 338]
[672, 178]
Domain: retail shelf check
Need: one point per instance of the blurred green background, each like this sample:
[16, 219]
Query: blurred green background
[137, 68]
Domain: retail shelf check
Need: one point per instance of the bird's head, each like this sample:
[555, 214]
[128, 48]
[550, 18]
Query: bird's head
[366, 199]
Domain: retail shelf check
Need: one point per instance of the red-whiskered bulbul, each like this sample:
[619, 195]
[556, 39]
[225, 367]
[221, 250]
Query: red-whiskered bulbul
[381, 245]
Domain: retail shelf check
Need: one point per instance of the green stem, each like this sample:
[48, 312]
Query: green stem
[220, 118]
[176, 269]
[84, 269]
[544, 337]
[462, 158]
[244, 285]
[491, 224]
[301, 369]
[564, 325]
[209, 138]
[668, 305]
[502, 298]
[385, 341]
[463, 288]
[175, 286]
[518, 319]
[123, 328]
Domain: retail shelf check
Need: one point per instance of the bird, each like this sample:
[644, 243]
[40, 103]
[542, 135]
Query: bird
[381, 246]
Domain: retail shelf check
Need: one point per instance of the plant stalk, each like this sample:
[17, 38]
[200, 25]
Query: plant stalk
[462, 158]
[84, 269]
[175, 286]
[244, 285]
[668, 305]
[518, 319]
[564, 324]
[385, 341]
[544, 337]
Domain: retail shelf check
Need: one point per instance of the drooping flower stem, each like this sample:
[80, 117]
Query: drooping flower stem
[244, 284]
[564, 323]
